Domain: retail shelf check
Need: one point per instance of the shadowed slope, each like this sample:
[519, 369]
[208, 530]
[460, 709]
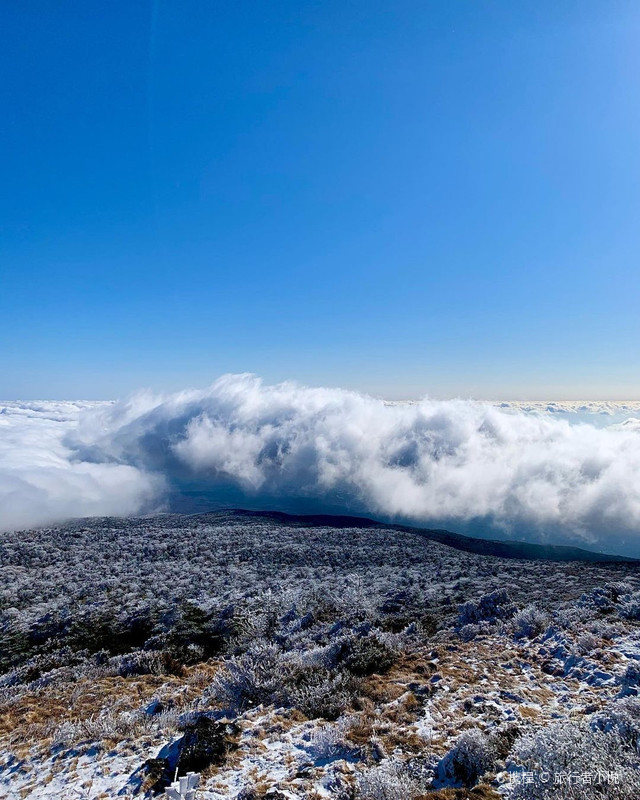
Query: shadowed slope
[470, 544]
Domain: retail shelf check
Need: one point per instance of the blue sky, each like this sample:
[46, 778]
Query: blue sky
[398, 197]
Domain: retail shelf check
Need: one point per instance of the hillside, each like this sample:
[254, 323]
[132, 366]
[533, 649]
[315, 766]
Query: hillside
[310, 657]
[470, 544]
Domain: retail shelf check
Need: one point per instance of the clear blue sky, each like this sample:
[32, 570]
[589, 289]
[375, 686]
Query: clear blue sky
[401, 197]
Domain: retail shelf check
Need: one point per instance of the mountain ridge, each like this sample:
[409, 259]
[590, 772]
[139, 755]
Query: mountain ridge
[470, 544]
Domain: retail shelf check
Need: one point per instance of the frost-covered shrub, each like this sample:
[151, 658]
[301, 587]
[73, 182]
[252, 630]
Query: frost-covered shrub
[484, 628]
[64, 735]
[389, 780]
[253, 678]
[139, 662]
[266, 675]
[473, 754]
[604, 629]
[319, 692]
[329, 739]
[598, 598]
[613, 596]
[468, 632]
[530, 621]
[570, 618]
[629, 607]
[43, 664]
[368, 654]
[617, 589]
[586, 643]
[601, 764]
[361, 653]
[113, 726]
[630, 681]
[623, 718]
[493, 606]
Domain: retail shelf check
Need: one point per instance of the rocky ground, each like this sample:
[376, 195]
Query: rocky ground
[305, 661]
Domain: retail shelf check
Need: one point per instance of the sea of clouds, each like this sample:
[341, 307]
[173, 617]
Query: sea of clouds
[554, 472]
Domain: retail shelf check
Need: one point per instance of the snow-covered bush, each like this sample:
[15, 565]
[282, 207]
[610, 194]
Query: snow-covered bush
[606, 629]
[265, 675]
[530, 621]
[319, 692]
[492, 606]
[253, 678]
[598, 598]
[473, 754]
[586, 643]
[468, 632]
[616, 589]
[623, 718]
[139, 662]
[368, 654]
[629, 607]
[328, 739]
[569, 618]
[389, 780]
[113, 726]
[630, 681]
[575, 762]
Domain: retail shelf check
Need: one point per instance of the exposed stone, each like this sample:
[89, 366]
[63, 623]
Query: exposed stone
[205, 742]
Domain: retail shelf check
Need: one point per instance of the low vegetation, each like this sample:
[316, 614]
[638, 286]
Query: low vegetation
[284, 661]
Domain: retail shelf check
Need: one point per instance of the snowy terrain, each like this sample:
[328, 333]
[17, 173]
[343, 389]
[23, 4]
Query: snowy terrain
[288, 660]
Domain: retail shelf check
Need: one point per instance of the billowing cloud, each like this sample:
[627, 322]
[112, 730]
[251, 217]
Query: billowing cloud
[541, 471]
[41, 481]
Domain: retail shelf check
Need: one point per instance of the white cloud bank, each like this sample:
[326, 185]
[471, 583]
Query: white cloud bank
[534, 470]
[40, 480]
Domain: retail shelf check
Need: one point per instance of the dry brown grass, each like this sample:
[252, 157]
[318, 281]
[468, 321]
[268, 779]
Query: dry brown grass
[33, 719]
[528, 712]
[480, 792]
[364, 729]
[382, 688]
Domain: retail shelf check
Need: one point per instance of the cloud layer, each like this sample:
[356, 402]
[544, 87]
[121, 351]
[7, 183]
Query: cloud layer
[541, 471]
[42, 481]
